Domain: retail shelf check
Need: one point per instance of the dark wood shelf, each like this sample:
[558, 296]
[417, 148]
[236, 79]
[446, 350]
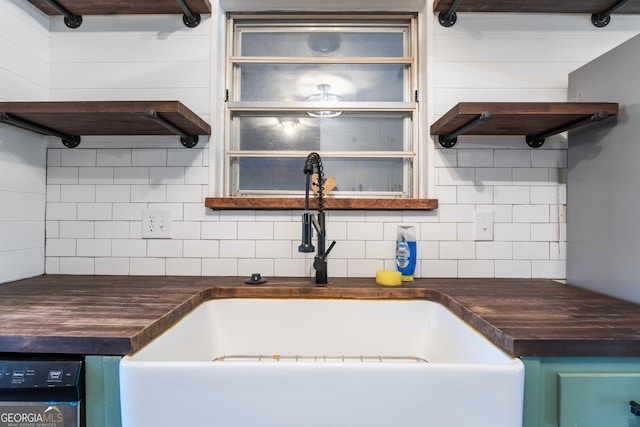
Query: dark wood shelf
[293, 203]
[123, 7]
[536, 6]
[79, 118]
[520, 118]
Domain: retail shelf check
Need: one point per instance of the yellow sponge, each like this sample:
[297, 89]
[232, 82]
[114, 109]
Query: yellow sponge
[388, 278]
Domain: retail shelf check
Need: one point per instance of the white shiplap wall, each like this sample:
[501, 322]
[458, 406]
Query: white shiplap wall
[96, 193]
[24, 76]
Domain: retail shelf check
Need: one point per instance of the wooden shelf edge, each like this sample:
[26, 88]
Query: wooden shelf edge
[296, 203]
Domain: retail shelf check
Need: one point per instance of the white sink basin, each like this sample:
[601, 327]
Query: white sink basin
[321, 362]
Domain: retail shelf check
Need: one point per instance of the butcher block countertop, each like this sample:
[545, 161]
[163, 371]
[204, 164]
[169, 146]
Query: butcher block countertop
[118, 315]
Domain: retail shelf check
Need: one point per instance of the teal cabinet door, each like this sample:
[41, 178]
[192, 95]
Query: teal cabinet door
[597, 399]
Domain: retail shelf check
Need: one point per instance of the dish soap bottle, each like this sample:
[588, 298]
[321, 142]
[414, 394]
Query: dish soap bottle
[406, 252]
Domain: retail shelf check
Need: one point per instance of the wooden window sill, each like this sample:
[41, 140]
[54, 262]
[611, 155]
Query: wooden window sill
[295, 203]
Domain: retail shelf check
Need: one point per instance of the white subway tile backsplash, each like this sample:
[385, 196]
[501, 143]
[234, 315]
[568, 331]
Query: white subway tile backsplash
[61, 247]
[53, 193]
[246, 267]
[131, 175]
[531, 176]
[237, 248]
[220, 230]
[198, 212]
[439, 268]
[196, 175]
[58, 175]
[164, 248]
[183, 267]
[79, 157]
[475, 194]
[111, 229]
[456, 176]
[113, 193]
[255, 231]
[77, 265]
[93, 247]
[511, 232]
[200, 248]
[513, 158]
[456, 213]
[182, 157]
[549, 195]
[78, 193]
[475, 158]
[128, 211]
[111, 266]
[446, 194]
[95, 175]
[530, 250]
[457, 250]
[166, 175]
[513, 269]
[494, 250]
[149, 193]
[61, 211]
[129, 248]
[531, 213]
[365, 231]
[220, 267]
[94, 211]
[185, 230]
[114, 157]
[512, 195]
[148, 157]
[380, 249]
[438, 231]
[147, 266]
[549, 158]
[476, 268]
[349, 249]
[52, 229]
[76, 229]
[549, 269]
[364, 267]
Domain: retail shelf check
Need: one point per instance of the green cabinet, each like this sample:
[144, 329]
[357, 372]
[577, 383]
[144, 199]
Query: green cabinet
[581, 391]
[102, 383]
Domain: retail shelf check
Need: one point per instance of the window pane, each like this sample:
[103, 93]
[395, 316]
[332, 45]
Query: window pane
[304, 82]
[297, 131]
[381, 176]
[301, 43]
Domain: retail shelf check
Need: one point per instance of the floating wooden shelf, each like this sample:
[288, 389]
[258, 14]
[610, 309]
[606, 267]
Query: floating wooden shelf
[76, 118]
[73, 10]
[273, 203]
[600, 10]
[536, 120]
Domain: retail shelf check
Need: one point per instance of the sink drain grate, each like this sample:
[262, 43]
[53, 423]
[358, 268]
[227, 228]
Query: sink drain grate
[319, 359]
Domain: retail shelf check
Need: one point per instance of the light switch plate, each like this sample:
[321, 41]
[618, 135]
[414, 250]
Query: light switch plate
[156, 224]
[483, 225]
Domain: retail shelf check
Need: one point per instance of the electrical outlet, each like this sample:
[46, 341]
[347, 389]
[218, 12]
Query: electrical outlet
[156, 224]
[483, 225]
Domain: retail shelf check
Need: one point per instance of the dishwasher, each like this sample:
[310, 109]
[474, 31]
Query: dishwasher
[41, 392]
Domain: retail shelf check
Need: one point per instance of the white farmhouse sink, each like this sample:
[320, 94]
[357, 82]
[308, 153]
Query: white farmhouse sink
[321, 362]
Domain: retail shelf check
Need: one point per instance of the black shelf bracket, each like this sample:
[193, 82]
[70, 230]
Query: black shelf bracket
[448, 18]
[69, 141]
[187, 140]
[448, 141]
[189, 18]
[536, 141]
[70, 20]
[602, 19]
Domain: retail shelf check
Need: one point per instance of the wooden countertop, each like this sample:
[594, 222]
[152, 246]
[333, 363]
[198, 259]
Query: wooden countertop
[117, 315]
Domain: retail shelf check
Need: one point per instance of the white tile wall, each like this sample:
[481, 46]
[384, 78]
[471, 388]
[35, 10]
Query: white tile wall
[95, 194]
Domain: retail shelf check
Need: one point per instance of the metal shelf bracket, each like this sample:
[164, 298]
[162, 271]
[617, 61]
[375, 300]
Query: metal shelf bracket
[187, 140]
[448, 141]
[448, 19]
[69, 141]
[189, 18]
[536, 141]
[602, 19]
[70, 20]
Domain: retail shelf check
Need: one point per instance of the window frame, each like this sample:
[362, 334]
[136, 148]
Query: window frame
[411, 107]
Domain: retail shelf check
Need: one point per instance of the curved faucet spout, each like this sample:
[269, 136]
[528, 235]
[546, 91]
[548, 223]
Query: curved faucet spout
[309, 220]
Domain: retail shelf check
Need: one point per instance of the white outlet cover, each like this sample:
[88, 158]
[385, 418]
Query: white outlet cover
[156, 224]
[483, 225]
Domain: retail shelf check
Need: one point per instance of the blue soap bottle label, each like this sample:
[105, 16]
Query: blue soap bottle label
[406, 252]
